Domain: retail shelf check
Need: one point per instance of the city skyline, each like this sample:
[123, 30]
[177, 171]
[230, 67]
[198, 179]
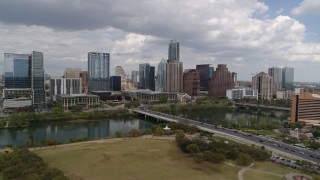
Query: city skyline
[250, 36]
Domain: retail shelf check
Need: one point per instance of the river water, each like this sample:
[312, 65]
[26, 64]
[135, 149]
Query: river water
[63, 132]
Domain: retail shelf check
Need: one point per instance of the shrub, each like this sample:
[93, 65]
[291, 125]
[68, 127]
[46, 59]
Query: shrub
[243, 159]
[214, 157]
[134, 133]
[193, 148]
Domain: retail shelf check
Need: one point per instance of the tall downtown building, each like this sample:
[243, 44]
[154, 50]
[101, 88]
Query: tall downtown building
[24, 78]
[161, 75]
[191, 82]
[174, 69]
[98, 71]
[221, 81]
[287, 78]
[276, 75]
[174, 50]
[263, 83]
[206, 74]
[146, 77]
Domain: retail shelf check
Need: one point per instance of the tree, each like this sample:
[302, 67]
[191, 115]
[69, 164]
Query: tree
[313, 145]
[134, 133]
[243, 159]
[58, 107]
[316, 133]
[193, 148]
[214, 157]
[118, 133]
[159, 131]
[163, 99]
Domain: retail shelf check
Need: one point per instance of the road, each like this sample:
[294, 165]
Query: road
[276, 146]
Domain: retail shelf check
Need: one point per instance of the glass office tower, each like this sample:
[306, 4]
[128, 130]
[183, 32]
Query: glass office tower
[38, 88]
[98, 71]
[17, 76]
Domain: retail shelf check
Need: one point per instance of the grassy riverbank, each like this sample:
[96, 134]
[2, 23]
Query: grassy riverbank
[144, 158]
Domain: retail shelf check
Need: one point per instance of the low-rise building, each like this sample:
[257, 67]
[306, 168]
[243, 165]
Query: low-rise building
[148, 95]
[249, 93]
[306, 108]
[287, 94]
[83, 100]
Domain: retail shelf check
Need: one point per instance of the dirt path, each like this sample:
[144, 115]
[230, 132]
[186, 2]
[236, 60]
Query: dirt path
[243, 170]
[248, 168]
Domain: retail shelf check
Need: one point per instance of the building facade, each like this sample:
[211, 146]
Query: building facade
[174, 50]
[120, 72]
[263, 83]
[135, 78]
[65, 86]
[276, 74]
[17, 76]
[174, 76]
[221, 81]
[82, 100]
[305, 108]
[98, 71]
[205, 73]
[146, 77]
[24, 78]
[285, 94]
[287, 78]
[191, 82]
[244, 93]
[72, 73]
[115, 83]
[161, 76]
[84, 80]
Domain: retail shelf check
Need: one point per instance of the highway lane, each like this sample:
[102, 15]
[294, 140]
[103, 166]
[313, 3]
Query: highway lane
[262, 141]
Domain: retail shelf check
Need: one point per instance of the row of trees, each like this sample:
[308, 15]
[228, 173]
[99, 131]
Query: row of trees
[217, 151]
[23, 164]
[24, 118]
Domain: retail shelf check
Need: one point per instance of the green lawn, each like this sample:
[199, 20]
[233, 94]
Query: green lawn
[275, 168]
[131, 159]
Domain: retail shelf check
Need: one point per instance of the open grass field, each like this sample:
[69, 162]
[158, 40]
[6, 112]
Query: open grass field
[131, 159]
[139, 158]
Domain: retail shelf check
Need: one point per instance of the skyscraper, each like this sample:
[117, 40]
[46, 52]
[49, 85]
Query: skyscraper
[146, 77]
[174, 68]
[287, 78]
[24, 78]
[191, 82]
[205, 75]
[98, 71]
[17, 76]
[174, 76]
[221, 81]
[263, 83]
[161, 75]
[37, 80]
[174, 51]
[276, 74]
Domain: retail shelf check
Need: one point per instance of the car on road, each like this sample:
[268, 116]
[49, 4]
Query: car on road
[260, 140]
[300, 152]
[312, 156]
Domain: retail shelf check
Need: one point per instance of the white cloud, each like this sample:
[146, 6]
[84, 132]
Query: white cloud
[209, 32]
[307, 6]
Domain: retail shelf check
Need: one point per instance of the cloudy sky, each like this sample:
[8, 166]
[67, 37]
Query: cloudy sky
[247, 35]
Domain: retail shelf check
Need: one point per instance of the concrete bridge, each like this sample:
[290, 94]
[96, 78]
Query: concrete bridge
[262, 106]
